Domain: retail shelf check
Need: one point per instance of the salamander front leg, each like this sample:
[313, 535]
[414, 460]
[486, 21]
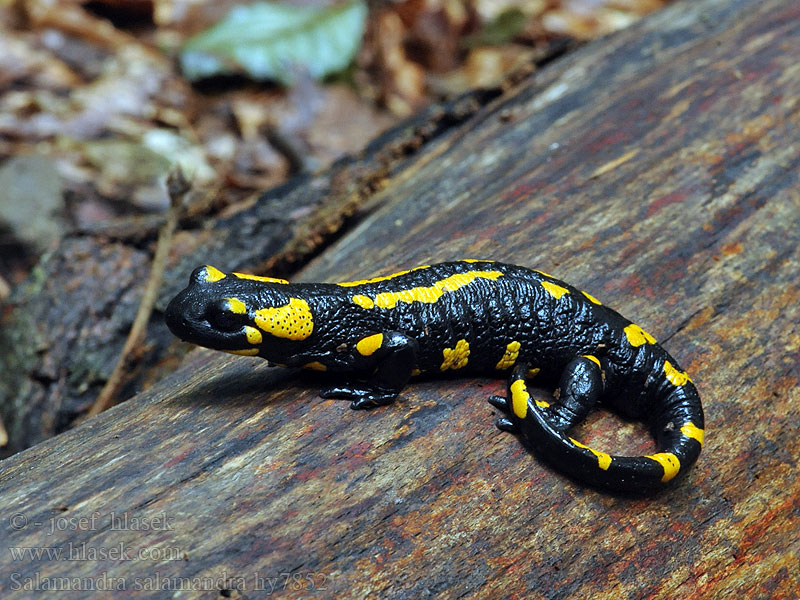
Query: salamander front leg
[393, 356]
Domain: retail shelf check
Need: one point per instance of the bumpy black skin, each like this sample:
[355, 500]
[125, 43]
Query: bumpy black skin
[597, 354]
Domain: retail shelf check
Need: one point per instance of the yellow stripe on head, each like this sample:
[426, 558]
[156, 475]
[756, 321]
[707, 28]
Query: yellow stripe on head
[212, 274]
[381, 278]
[260, 278]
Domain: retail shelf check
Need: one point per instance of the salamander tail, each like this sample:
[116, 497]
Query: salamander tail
[678, 424]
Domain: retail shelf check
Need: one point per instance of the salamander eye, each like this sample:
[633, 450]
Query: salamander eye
[222, 318]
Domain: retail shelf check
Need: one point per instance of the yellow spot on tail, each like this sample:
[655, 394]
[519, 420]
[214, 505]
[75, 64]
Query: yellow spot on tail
[213, 274]
[293, 321]
[261, 279]
[456, 358]
[367, 346]
[247, 352]
[591, 298]
[253, 335]
[603, 459]
[316, 366]
[669, 462]
[519, 398]
[426, 295]
[638, 336]
[594, 359]
[690, 430]
[555, 290]
[383, 278]
[509, 357]
[675, 377]
[236, 306]
[545, 274]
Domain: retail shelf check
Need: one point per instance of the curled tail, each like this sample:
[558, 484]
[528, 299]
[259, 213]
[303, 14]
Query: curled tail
[678, 422]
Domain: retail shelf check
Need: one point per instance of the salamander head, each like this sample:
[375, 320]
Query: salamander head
[238, 313]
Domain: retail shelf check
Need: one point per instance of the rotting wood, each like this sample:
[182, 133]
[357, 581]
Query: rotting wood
[694, 236]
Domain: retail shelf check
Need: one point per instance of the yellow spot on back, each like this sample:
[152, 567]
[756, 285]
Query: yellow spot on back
[253, 335]
[555, 290]
[261, 279]
[509, 357]
[293, 321]
[213, 274]
[675, 377]
[669, 462]
[591, 298]
[638, 336]
[236, 306]
[519, 398]
[475, 260]
[383, 278]
[594, 359]
[316, 366]
[456, 358]
[367, 346]
[545, 274]
[428, 294]
[690, 430]
[603, 459]
[363, 301]
[246, 352]
[533, 372]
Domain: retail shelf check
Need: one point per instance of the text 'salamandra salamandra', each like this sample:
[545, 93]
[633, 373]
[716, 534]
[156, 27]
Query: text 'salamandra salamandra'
[470, 316]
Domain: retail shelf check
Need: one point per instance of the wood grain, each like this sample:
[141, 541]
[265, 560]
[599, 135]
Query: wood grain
[658, 170]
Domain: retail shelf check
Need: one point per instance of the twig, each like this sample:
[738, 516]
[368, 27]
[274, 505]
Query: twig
[177, 186]
[3, 434]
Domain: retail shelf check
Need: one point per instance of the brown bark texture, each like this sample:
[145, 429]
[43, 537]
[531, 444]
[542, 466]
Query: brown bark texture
[657, 170]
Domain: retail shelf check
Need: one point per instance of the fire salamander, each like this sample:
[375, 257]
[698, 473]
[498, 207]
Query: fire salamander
[465, 317]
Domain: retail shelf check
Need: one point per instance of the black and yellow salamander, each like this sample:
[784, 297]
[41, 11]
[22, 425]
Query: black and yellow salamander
[465, 317]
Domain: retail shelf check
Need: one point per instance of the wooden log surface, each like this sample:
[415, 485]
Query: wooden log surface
[658, 170]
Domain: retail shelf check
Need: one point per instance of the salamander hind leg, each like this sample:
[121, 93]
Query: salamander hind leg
[392, 357]
[544, 424]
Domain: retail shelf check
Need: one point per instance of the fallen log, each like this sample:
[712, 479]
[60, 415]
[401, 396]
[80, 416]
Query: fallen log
[657, 170]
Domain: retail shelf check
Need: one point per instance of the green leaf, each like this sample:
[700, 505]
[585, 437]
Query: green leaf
[267, 40]
[502, 30]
